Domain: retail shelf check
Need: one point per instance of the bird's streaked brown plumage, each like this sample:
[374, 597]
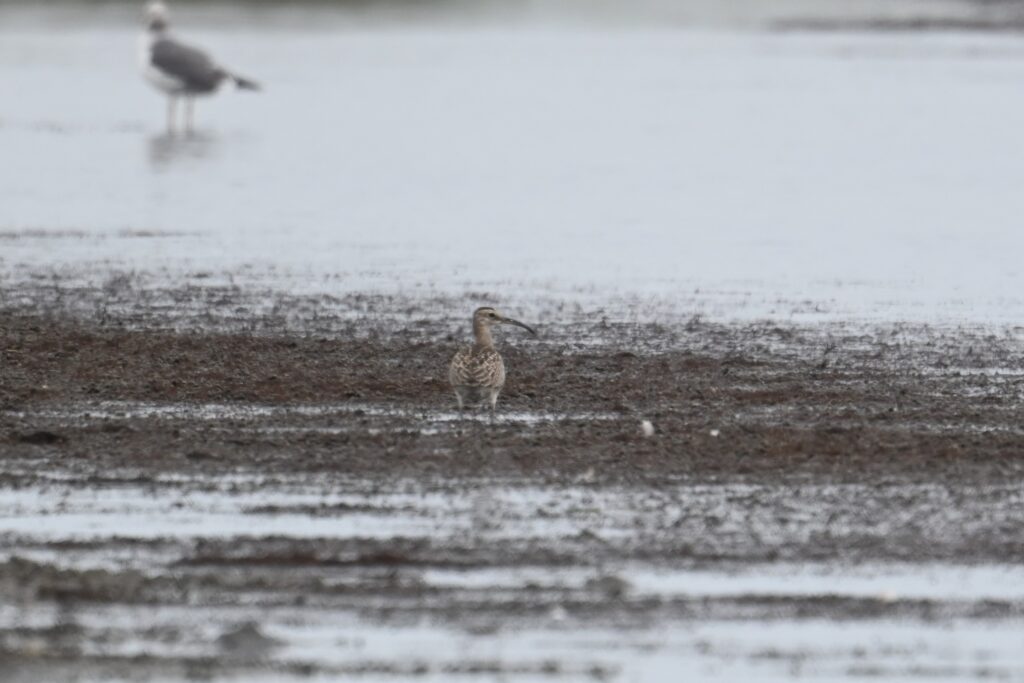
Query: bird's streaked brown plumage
[477, 372]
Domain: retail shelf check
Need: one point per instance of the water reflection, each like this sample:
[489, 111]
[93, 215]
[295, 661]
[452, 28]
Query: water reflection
[167, 149]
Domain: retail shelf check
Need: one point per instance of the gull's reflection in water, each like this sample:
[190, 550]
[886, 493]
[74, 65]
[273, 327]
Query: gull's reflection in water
[167, 149]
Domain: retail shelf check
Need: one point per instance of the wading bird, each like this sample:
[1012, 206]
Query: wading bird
[477, 372]
[180, 70]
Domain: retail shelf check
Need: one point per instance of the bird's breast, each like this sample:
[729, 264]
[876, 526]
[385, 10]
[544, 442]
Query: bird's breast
[477, 367]
[154, 76]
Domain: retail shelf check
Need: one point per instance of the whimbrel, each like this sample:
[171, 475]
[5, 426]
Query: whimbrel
[477, 372]
[178, 69]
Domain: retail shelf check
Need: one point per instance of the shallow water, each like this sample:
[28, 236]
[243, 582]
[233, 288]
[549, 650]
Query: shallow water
[729, 174]
[602, 620]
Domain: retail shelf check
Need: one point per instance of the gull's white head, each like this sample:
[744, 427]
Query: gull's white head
[156, 15]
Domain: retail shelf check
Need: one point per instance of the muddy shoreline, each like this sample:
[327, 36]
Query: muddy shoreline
[727, 401]
[322, 470]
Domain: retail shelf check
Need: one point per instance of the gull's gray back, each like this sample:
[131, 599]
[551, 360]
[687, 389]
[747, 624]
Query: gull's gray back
[192, 67]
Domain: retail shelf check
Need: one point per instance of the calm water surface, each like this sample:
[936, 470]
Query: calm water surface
[782, 175]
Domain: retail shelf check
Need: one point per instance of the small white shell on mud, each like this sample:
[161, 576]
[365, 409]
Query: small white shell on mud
[646, 428]
[714, 432]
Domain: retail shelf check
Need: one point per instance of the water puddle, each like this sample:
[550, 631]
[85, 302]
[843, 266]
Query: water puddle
[521, 582]
[812, 649]
[109, 410]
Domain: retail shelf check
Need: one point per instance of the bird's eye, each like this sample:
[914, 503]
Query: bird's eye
[493, 315]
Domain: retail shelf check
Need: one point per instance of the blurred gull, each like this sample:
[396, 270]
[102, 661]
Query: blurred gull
[178, 69]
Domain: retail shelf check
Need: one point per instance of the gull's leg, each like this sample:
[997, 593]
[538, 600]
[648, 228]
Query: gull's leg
[189, 113]
[172, 105]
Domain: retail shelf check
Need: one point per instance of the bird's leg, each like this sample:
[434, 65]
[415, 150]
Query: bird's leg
[462, 411]
[494, 402]
[189, 113]
[460, 429]
[172, 105]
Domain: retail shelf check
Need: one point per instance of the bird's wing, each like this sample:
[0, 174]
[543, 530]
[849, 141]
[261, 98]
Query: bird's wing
[477, 367]
[458, 371]
[187, 64]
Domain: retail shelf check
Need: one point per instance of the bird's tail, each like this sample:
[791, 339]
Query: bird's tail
[245, 83]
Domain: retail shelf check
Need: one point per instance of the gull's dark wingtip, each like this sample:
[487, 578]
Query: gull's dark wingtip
[246, 84]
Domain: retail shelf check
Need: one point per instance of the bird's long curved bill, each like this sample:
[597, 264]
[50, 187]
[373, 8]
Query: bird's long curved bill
[510, 321]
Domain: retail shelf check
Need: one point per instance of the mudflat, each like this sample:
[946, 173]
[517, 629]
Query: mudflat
[302, 489]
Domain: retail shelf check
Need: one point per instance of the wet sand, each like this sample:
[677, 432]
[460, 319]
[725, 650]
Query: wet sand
[171, 486]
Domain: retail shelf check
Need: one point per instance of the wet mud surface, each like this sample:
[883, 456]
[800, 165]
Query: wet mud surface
[281, 489]
[227, 450]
